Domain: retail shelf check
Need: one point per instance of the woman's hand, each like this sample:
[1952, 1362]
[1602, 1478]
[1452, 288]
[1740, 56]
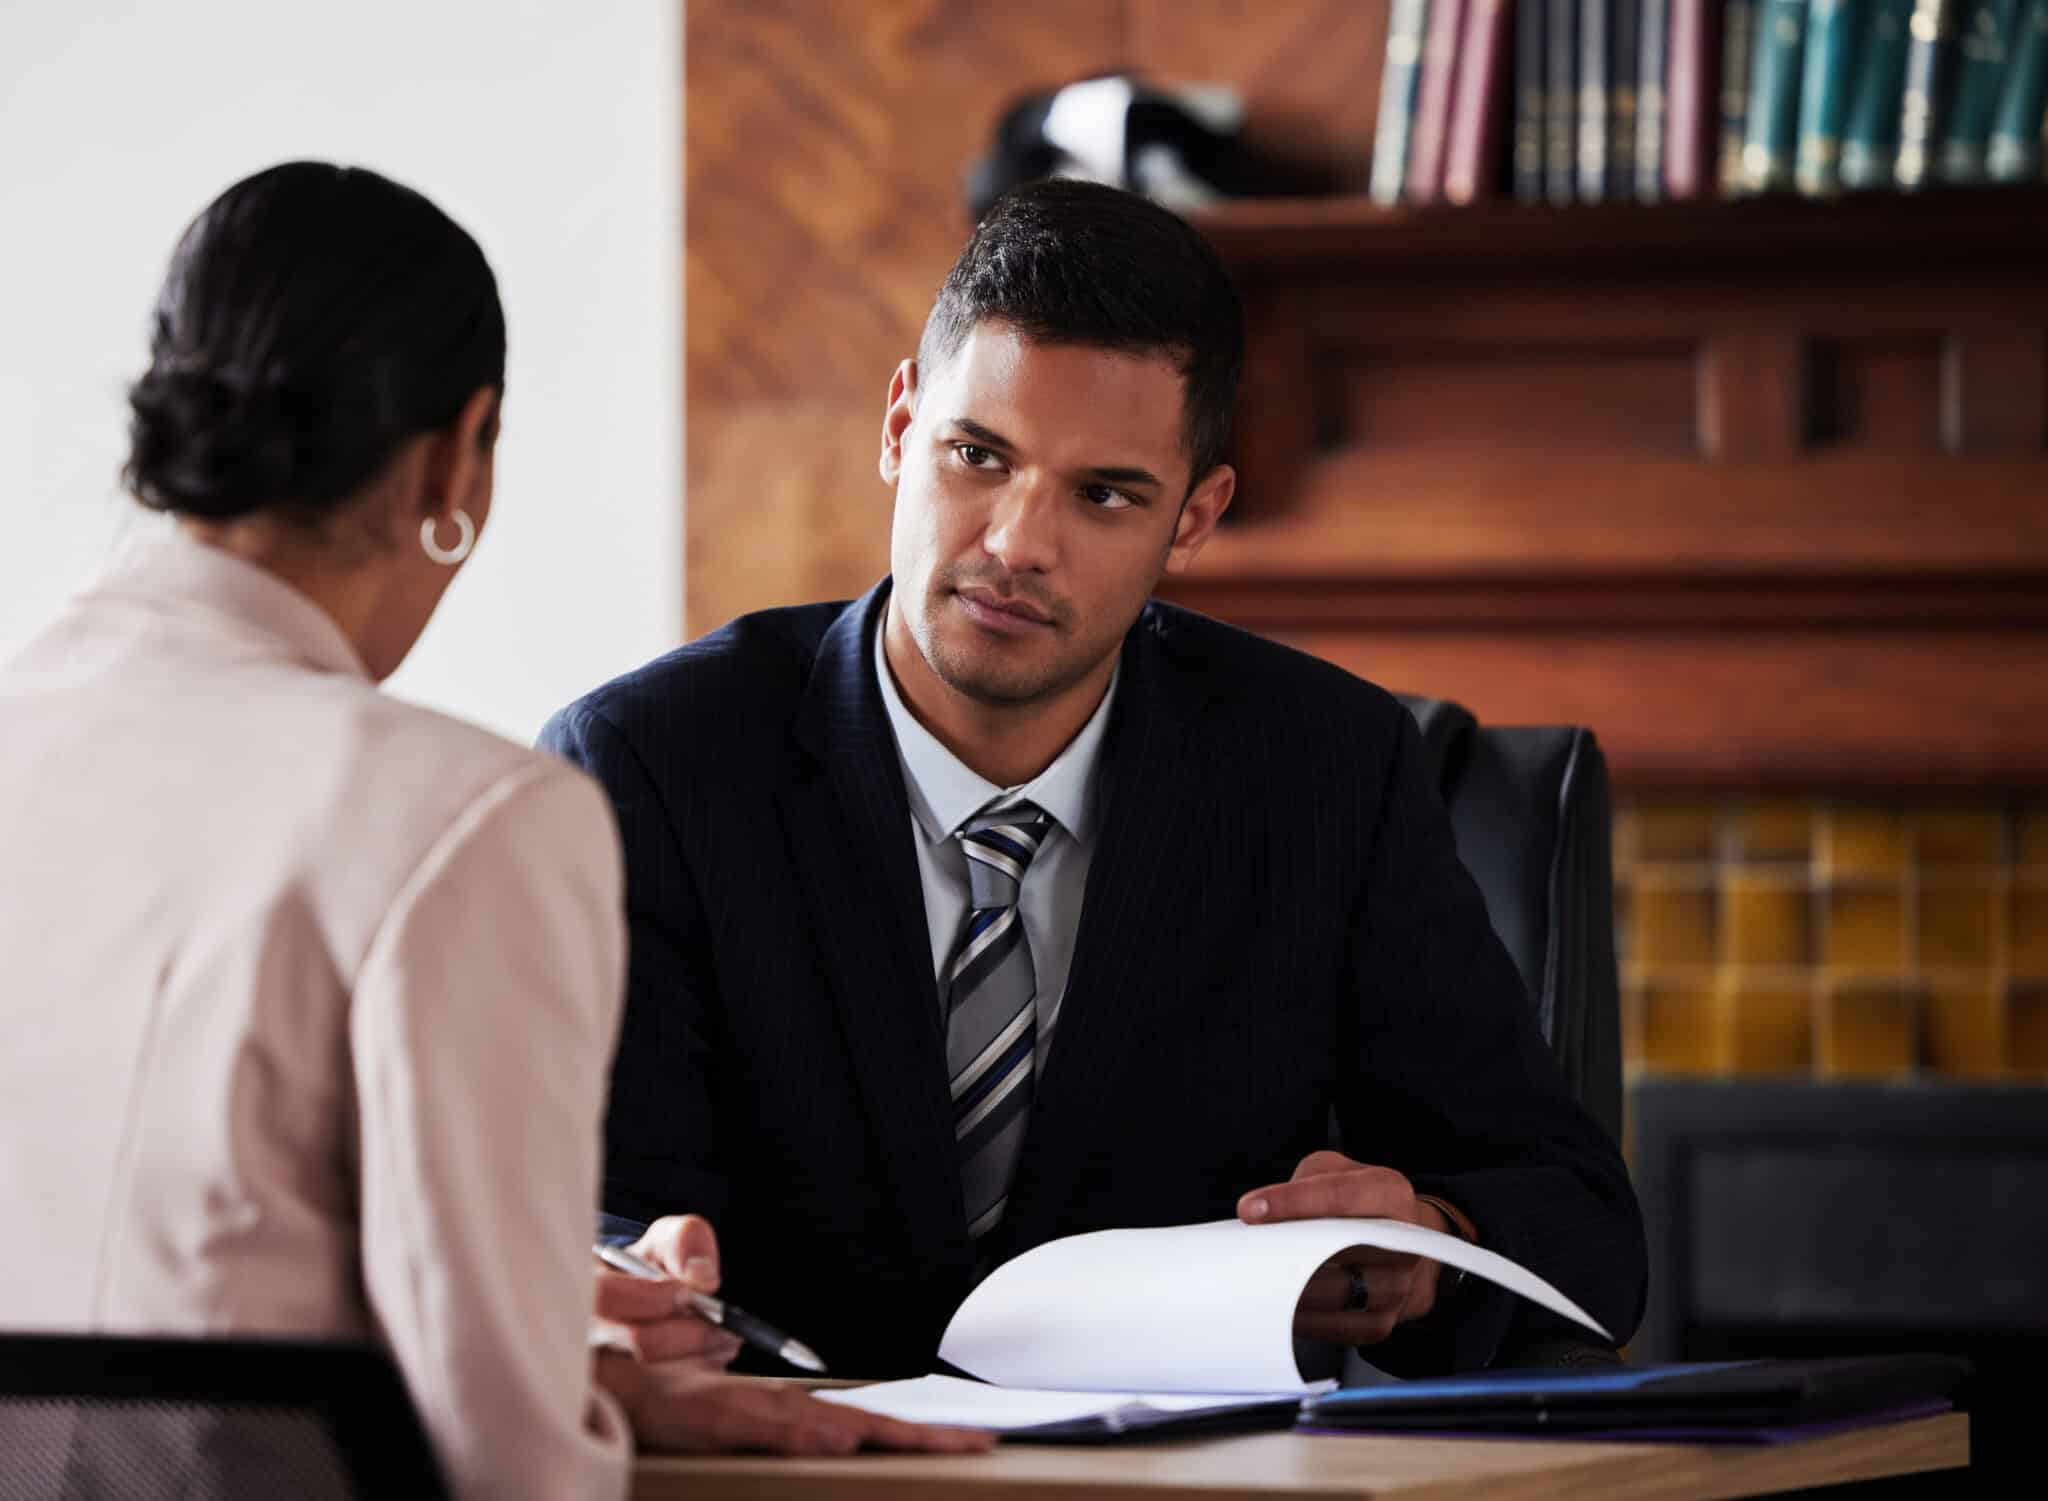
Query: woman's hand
[679, 1408]
[656, 1322]
[666, 1365]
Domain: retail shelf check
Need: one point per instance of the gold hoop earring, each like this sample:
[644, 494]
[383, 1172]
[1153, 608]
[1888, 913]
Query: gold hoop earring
[448, 557]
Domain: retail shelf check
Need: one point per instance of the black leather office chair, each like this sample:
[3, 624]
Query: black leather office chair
[1530, 809]
[99, 1418]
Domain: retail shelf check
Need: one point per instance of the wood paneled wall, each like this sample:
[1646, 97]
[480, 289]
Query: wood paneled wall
[826, 142]
[1755, 489]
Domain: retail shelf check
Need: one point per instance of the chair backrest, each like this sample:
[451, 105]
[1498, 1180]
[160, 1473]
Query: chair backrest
[118, 1418]
[1530, 810]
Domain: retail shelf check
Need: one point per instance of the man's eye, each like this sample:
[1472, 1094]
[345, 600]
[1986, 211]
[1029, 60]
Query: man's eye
[973, 455]
[1108, 498]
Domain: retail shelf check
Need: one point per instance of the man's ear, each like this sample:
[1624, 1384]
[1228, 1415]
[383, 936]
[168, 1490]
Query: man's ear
[1199, 514]
[896, 419]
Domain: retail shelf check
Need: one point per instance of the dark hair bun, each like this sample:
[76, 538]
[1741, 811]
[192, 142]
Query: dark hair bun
[314, 318]
[205, 443]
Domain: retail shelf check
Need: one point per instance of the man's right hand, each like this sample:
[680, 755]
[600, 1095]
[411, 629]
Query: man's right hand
[679, 1408]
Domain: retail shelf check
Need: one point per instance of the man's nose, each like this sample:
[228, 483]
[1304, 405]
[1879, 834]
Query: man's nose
[1023, 526]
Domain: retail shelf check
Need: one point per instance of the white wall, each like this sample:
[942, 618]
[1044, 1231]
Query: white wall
[550, 130]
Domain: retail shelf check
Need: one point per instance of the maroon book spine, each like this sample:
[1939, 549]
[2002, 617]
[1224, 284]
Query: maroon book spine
[1433, 103]
[1692, 99]
[1479, 110]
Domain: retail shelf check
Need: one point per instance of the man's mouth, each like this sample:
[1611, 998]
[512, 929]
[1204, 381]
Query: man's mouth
[1011, 613]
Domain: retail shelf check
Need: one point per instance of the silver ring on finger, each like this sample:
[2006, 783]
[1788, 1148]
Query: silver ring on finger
[1356, 1294]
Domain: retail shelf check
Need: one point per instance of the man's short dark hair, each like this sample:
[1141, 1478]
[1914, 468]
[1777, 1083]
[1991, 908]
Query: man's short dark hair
[1070, 262]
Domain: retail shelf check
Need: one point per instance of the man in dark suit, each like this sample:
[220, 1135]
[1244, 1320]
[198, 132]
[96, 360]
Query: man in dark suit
[1007, 903]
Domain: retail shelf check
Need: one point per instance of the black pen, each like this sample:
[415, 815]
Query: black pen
[761, 1336]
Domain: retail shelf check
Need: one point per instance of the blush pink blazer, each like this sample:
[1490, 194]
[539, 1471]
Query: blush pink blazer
[307, 1002]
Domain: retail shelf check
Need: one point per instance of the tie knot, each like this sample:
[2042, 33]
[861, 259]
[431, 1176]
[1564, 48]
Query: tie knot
[999, 847]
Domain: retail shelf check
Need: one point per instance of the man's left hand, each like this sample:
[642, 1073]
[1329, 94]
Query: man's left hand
[1396, 1288]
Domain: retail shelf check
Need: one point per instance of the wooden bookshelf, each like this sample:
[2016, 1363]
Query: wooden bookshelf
[1758, 489]
[1262, 236]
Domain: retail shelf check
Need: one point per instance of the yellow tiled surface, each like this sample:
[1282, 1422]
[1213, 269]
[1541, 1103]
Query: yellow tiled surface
[1864, 928]
[1766, 918]
[1779, 830]
[1765, 1021]
[1867, 1027]
[1667, 831]
[1960, 924]
[1863, 842]
[2029, 929]
[1959, 836]
[1673, 915]
[2026, 1024]
[2030, 838]
[1965, 1025]
[1855, 938]
[1675, 1024]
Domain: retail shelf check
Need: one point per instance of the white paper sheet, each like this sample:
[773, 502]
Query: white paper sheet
[969, 1404]
[1186, 1308]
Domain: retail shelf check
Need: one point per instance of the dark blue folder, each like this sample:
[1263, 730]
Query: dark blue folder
[1698, 1398]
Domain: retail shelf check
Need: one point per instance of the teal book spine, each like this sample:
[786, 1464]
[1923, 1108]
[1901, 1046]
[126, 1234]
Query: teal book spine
[1985, 42]
[1738, 34]
[1930, 78]
[1561, 110]
[1532, 100]
[2014, 153]
[1771, 136]
[1653, 99]
[1403, 71]
[1833, 37]
[1870, 135]
[1596, 98]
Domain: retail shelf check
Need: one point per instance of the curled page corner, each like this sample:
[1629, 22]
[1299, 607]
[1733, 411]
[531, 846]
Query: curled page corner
[1185, 1308]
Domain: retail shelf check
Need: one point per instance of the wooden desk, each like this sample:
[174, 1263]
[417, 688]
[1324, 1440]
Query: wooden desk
[1294, 1465]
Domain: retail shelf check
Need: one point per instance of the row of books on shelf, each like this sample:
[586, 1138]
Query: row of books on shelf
[1591, 101]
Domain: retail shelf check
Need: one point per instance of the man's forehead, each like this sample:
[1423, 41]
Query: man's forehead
[1001, 375]
[996, 339]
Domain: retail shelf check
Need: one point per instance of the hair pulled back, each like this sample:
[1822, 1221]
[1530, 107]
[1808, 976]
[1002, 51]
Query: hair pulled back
[313, 318]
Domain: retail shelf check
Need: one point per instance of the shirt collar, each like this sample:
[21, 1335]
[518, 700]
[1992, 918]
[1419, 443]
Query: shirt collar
[159, 561]
[945, 792]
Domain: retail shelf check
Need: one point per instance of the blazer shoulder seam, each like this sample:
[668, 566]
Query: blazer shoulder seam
[458, 829]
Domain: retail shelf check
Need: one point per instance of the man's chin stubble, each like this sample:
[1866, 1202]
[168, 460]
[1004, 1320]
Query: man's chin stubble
[996, 694]
[1022, 690]
[997, 690]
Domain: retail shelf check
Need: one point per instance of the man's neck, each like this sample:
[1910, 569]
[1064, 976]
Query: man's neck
[1007, 744]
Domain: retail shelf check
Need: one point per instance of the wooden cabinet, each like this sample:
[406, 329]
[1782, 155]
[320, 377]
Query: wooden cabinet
[1758, 490]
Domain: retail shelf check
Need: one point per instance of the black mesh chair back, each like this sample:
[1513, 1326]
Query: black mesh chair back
[110, 1418]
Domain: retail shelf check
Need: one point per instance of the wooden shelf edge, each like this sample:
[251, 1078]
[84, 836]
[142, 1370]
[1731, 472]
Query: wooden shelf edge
[1822, 770]
[1465, 600]
[2005, 223]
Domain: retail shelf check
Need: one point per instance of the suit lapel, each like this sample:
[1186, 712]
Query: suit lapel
[848, 825]
[1145, 868]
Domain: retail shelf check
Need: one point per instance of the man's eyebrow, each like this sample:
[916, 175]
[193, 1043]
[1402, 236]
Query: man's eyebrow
[988, 437]
[1107, 474]
[1114, 476]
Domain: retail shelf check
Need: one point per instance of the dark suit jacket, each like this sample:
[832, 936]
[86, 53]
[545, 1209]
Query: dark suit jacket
[1276, 923]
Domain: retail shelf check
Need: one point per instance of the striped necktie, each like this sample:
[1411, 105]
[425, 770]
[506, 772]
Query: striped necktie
[991, 1027]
